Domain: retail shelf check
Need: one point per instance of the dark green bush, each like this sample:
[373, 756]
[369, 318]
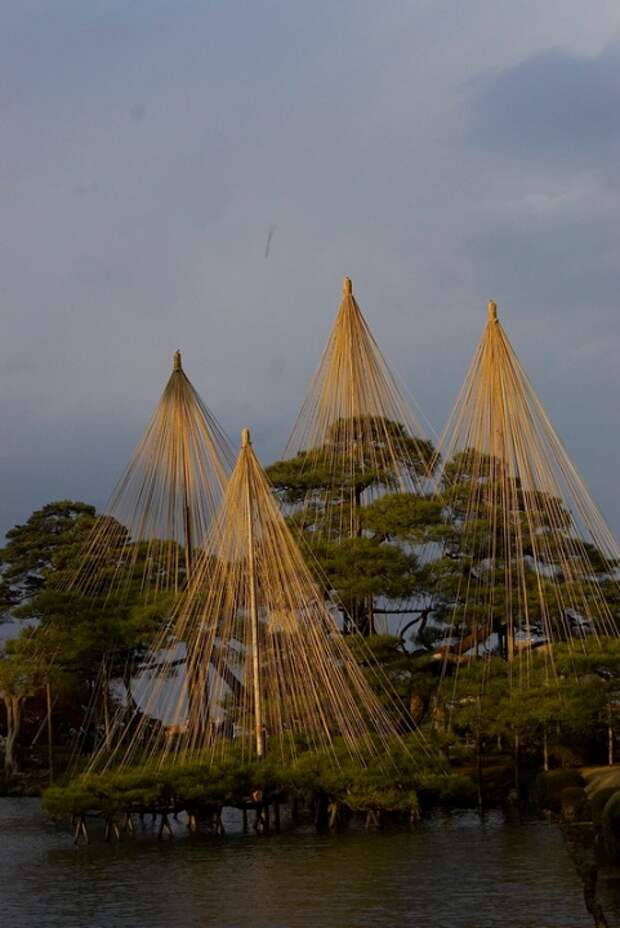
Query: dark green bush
[599, 800]
[388, 783]
[574, 803]
[548, 786]
[610, 823]
[452, 789]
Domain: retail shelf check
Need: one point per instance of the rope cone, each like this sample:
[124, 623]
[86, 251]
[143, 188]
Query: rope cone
[268, 669]
[355, 426]
[163, 505]
[534, 555]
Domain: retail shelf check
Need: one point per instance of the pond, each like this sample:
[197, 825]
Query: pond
[455, 871]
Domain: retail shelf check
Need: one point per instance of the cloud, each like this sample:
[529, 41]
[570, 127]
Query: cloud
[553, 105]
[137, 112]
[139, 180]
[84, 190]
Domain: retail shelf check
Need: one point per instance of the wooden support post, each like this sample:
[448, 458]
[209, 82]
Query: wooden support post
[333, 811]
[195, 691]
[165, 826]
[81, 831]
[111, 830]
[258, 710]
[373, 819]
[510, 642]
[415, 817]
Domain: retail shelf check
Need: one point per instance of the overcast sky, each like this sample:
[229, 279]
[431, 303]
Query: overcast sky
[439, 153]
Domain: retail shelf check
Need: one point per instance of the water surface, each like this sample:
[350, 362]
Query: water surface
[455, 871]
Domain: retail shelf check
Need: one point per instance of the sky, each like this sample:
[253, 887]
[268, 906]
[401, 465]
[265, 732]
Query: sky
[439, 153]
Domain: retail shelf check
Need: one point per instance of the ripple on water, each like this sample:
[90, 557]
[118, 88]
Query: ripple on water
[455, 871]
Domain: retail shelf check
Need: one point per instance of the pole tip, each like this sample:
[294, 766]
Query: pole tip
[245, 438]
[492, 310]
[347, 286]
[176, 361]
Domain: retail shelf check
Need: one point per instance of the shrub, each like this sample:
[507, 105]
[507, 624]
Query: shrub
[610, 823]
[599, 800]
[451, 789]
[574, 804]
[548, 786]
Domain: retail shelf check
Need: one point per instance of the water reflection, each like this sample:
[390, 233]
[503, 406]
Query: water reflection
[456, 871]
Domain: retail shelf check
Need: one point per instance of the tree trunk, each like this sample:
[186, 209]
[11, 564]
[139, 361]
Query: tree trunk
[516, 763]
[105, 705]
[589, 897]
[358, 618]
[50, 732]
[479, 755]
[417, 707]
[13, 706]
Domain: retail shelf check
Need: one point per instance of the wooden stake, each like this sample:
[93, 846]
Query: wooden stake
[165, 826]
[258, 711]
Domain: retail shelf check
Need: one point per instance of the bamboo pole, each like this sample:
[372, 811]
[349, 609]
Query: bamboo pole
[187, 515]
[193, 682]
[258, 711]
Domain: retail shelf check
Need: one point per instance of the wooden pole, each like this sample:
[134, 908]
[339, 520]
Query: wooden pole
[258, 709]
[187, 518]
[194, 695]
[500, 417]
